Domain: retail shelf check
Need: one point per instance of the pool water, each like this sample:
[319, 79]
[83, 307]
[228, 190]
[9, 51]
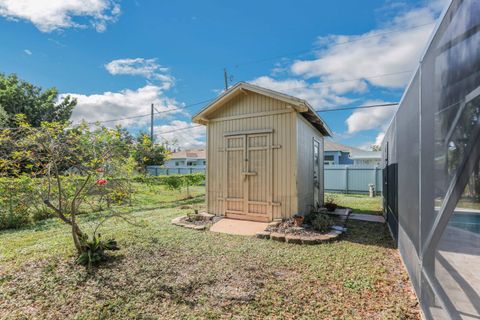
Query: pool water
[466, 221]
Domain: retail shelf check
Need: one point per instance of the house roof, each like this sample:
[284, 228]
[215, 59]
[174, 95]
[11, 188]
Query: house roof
[300, 105]
[366, 155]
[200, 154]
[330, 145]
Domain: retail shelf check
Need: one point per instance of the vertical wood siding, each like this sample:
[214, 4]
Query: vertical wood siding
[305, 135]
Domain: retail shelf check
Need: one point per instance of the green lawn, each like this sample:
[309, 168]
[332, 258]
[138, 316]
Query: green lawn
[358, 203]
[167, 272]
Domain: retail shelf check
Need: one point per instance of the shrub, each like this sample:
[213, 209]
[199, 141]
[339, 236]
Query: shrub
[322, 222]
[71, 167]
[194, 216]
[330, 203]
[94, 250]
[173, 182]
[16, 202]
[194, 179]
[176, 182]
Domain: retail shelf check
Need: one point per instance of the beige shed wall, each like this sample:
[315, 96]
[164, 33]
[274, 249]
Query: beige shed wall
[305, 135]
[283, 123]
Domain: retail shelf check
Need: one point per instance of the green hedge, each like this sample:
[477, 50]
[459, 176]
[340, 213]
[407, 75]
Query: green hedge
[20, 205]
[194, 179]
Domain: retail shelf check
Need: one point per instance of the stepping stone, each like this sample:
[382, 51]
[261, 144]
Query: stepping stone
[263, 235]
[274, 223]
[292, 238]
[310, 240]
[206, 216]
[180, 221]
[277, 236]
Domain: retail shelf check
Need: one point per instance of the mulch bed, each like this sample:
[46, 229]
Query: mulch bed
[288, 231]
[202, 221]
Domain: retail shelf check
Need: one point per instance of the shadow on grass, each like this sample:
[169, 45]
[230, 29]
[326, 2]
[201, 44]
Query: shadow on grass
[368, 233]
[44, 225]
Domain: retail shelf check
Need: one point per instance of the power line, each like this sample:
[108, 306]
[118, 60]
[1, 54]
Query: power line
[327, 110]
[181, 129]
[312, 86]
[330, 83]
[157, 112]
[325, 84]
[361, 107]
[199, 125]
[333, 45]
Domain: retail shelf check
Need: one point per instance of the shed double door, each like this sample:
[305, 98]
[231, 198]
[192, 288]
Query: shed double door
[248, 177]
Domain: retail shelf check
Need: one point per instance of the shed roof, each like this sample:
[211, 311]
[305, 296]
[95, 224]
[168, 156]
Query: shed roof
[300, 105]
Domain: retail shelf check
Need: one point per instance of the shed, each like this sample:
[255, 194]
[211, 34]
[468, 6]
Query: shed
[264, 154]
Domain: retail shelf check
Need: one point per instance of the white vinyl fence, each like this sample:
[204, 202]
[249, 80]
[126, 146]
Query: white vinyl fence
[352, 179]
[161, 171]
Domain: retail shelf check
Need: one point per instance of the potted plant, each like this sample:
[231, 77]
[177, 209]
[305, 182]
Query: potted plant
[298, 220]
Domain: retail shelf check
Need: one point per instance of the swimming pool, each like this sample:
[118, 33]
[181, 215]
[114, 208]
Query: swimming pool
[466, 221]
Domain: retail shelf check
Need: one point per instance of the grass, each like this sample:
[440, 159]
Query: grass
[155, 196]
[167, 272]
[464, 203]
[358, 203]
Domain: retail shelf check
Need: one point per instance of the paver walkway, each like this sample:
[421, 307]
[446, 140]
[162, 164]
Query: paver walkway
[238, 227]
[367, 217]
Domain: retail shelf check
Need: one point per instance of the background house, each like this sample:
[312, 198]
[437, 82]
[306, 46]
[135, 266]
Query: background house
[186, 159]
[336, 153]
[340, 154]
[181, 162]
[366, 158]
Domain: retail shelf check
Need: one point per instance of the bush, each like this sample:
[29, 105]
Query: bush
[193, 179]
[94, 250]
[21, 203]
[322, 222]
[16, 202]
[173, 182]
[330, 203]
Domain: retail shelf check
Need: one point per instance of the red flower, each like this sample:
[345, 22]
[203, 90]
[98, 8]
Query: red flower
[101, 182]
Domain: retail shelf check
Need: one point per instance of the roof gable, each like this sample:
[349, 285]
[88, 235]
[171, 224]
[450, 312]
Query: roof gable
[200, 154]
[330, 145]
[297, 104]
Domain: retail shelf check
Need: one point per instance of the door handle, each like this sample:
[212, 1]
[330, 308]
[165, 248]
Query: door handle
[249, 173]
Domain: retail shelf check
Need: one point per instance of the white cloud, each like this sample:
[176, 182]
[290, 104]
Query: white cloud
[52, 15]
[28, 52]
[191, 137]
[315, 94]
[378, 142]
[372, 118]
[348, 65]
[148, 68]
[126, 103]
[371, 56]
[379, 138]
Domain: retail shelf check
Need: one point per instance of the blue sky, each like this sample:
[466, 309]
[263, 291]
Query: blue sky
[117, 57]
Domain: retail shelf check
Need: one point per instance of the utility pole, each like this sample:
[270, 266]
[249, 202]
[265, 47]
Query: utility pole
[225, 77]
[151, 124]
